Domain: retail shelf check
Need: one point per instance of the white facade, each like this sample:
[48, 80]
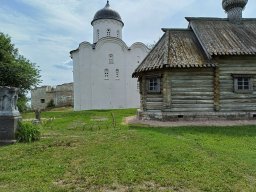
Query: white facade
[103, 27]
[103, 70]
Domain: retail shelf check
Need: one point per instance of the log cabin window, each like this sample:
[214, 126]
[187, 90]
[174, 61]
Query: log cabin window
[243, 84]
[153, 85]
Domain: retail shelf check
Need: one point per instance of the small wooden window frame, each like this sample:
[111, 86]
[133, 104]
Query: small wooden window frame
[243, 76]
[153, 84]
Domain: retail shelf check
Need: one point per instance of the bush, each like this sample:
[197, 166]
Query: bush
[27, 133]
[51, 104]
[22, 104]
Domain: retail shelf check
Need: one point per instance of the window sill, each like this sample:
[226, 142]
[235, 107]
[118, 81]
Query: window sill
[153, 92]
[243, 92]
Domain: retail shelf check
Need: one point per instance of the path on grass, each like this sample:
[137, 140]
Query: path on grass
[135, 120]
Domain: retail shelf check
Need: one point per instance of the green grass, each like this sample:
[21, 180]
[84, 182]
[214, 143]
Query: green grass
[83, 151]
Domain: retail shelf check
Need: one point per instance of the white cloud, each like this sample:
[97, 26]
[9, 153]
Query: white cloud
[58, 26]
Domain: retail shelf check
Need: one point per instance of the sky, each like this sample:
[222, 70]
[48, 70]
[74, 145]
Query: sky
[45, 31]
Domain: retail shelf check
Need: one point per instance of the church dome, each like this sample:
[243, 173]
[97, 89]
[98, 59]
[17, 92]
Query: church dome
[231, 4]
[234, 9]
[107, 13]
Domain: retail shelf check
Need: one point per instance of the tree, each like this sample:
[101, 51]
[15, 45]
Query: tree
[15, 69]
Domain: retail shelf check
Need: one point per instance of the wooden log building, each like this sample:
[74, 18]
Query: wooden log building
[206, 71]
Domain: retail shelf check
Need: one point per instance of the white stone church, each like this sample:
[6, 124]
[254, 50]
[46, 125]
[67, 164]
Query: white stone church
[103, 70]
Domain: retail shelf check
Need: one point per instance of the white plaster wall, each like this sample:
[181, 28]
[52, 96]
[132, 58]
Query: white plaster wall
[76, 80]
[91, 90]
[137, 53]
[102, 25]
[109, 93]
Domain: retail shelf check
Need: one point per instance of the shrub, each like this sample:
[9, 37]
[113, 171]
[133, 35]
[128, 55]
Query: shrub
[27, 133]
[21, 103]
[51, 104]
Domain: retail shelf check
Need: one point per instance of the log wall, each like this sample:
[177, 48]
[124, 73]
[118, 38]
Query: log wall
[154, 101]
[151, 101]
[192, 90]
[230, 100]
[190, 93]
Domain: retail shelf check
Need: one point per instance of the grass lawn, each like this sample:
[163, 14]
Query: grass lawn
[84, 151]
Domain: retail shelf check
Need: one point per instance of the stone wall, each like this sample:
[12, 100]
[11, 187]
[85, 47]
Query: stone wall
[61, 95]
[64, 95]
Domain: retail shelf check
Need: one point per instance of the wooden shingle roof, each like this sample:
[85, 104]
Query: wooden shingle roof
[196, 46]
[221, 37]
[178, 48]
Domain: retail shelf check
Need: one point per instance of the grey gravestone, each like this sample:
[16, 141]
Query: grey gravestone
[9, 114]
[38, 115]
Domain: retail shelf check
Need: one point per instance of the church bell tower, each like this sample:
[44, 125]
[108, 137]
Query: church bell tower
[107, 23]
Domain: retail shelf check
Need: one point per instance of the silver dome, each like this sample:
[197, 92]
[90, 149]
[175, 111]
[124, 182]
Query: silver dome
[231, 4]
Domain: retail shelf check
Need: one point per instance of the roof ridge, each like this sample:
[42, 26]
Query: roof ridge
[175, 29]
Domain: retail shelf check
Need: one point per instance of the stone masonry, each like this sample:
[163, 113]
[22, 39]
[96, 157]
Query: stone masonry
[61, 96]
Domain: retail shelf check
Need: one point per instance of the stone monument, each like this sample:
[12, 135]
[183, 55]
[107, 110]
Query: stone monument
[9, 114]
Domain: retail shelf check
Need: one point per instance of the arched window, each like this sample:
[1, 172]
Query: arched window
[111, 58]
[108, 32]
[106, 74]
[98, 34]
[117, 33]
[138, 59]
[117, 73]
[138, 85]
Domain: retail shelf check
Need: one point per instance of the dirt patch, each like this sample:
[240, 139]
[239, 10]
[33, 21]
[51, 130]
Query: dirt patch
[96, 118]
[134, 120]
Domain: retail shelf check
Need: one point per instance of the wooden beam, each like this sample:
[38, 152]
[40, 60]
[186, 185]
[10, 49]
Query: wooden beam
[216, 90]
[166, 91]
[143, 95]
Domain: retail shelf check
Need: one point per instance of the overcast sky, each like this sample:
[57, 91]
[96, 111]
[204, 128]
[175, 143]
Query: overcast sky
[45, 31]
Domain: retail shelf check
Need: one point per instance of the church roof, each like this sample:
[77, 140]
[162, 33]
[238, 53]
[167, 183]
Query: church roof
[177, 48]
[221, 37]
[197, 45]
[107, 13]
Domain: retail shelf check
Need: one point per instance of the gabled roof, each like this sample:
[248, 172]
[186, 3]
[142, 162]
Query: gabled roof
[196, 46]
[177, 48]
[221, 37]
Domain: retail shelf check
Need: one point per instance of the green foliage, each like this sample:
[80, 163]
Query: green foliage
[16, 70]
[51, 104]
[27, 132]
[22, 103]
